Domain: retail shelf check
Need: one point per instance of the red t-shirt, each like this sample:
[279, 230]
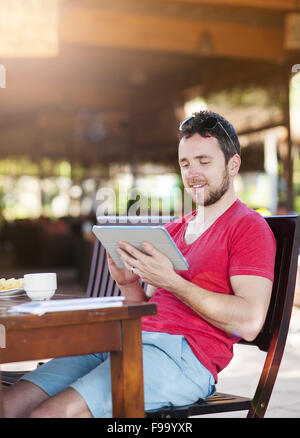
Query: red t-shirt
[239, 242]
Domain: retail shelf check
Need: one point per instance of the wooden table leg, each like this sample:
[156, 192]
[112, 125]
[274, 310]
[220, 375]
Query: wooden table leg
[127, 373]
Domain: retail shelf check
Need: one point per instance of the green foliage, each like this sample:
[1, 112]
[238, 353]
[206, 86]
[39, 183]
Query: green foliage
[251, 96]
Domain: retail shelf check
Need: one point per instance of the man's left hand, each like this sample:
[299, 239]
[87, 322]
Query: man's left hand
[153, 268]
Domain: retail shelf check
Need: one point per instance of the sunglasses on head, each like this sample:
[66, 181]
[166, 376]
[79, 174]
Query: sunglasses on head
[208, 124]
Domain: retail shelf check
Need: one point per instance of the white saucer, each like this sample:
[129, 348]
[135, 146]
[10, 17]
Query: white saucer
[11, 293]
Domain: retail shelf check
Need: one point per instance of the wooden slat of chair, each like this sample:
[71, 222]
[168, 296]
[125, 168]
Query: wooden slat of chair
[216, 404]
[272, 338]
[100, 283]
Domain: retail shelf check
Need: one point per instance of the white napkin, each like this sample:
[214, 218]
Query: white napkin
[41, 307]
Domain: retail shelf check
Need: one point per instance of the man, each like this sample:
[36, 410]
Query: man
[202, 312]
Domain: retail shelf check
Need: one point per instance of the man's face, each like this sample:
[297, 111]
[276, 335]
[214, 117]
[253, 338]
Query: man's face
[204, 172]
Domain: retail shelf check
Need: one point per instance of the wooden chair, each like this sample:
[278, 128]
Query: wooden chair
[272, 338]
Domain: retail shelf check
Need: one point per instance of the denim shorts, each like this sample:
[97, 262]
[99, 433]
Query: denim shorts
[172, 375]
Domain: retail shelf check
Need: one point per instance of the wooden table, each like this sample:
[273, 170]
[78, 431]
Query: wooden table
[59, 334]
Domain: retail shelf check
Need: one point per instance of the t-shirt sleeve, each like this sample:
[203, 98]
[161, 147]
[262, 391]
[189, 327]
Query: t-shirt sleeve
[253, 248]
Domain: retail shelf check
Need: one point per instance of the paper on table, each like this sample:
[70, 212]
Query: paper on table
[41, 307]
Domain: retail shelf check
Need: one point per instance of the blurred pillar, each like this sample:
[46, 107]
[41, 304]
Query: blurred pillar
[271, 167]
[288, 163]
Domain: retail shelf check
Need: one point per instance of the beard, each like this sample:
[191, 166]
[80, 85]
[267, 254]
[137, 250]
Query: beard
[214, 193]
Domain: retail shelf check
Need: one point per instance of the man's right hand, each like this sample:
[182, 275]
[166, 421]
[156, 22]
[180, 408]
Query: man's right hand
[122, 276]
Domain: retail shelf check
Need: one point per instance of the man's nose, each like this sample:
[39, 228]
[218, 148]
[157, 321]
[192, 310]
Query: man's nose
[194, 171]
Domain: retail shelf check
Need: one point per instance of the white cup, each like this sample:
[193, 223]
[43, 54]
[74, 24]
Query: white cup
[40, 286]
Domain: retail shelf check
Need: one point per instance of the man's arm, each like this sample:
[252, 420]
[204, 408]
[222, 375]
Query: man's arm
[241, 314]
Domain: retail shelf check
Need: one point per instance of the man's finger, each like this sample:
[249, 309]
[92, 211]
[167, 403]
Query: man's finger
[127, 259]
[133, 252]
[150, 249]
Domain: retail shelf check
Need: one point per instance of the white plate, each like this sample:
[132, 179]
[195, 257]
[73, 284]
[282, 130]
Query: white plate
[11, 293]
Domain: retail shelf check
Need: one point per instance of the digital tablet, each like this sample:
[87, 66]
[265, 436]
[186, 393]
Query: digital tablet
[158, 236]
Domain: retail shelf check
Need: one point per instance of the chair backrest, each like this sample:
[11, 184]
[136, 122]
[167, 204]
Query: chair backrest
[100, 283]
[272, 338]
[286, 230]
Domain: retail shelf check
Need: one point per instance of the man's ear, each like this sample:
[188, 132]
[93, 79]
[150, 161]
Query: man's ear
[234, 165]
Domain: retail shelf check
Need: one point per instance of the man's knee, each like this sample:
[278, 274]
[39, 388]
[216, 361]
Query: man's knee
[41, 412]
[21, 398]
[49, 409]
[66, 404]
[37, 413]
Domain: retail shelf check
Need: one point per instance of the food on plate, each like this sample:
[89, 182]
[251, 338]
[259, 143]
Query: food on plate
[11, 283]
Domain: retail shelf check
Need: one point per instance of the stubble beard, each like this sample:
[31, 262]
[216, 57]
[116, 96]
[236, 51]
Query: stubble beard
[215, 194]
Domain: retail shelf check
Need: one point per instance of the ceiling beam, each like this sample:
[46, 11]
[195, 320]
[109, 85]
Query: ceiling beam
[106, 28]
[26, 92]
[281, 5]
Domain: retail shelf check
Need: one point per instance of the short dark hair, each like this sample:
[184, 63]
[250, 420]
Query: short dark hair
[195, 125]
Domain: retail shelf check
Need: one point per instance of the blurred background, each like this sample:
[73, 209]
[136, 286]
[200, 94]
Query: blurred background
[91, 95]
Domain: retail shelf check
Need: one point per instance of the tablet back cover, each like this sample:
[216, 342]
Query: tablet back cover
[109, 236]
